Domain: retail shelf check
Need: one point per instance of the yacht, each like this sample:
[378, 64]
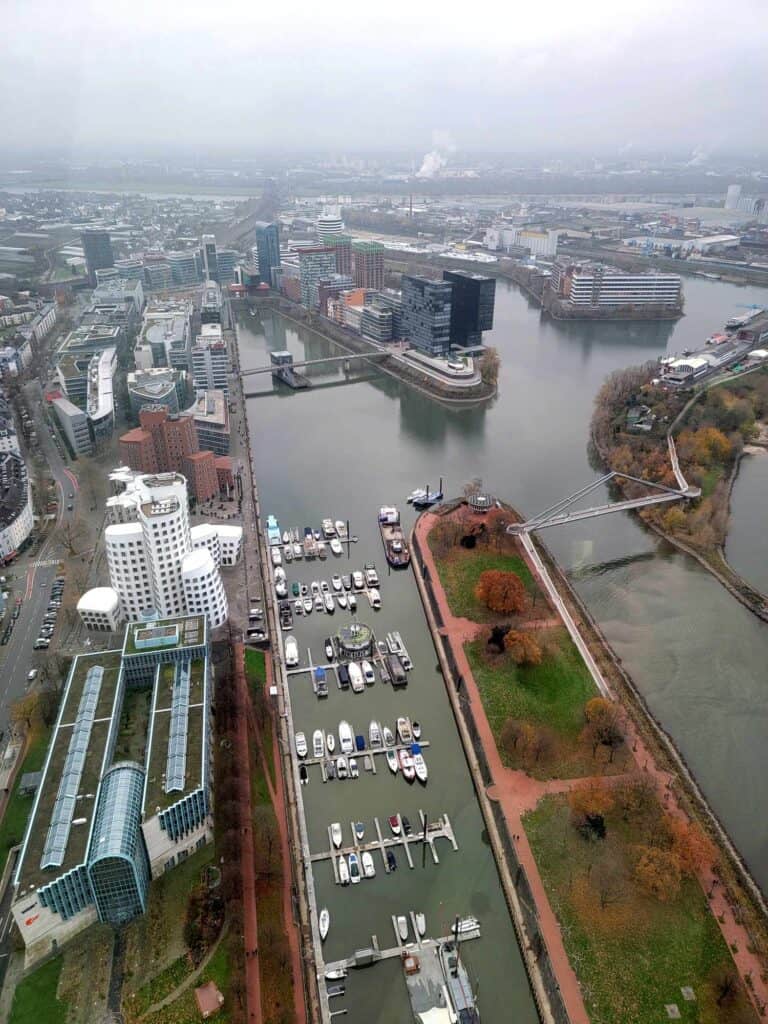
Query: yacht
[342, 599]
[368, 674]
[318, 743]
[346, 737]
[307, 603]
[406, 765]
[392, 762]
[343, 871]
[329, 530]
[322, 550]
[358, 580]
[342, 768]
[375, 598]
[389, 738]
[402, 927]
[277, 558]
[356, 677]
[330, 742]
[329, 648]
[346, 581]
[341, 528]
[314, 587]
[416, 730]
[288, 552]
[421, 924]
[324, 923]
[291, 651]
[352, 602]
[354, 771]
[336, 582]
[371, 576]
[336, 836]
[298, 551]
[419, 764]
[404, 732]
[319, 603]
[298, 608]
[359, 830]
[367, 861]
[374, 734]
[328, 601]
[325, 587]
[336, 547]
[394, 824]
[354, 869]
[301, 744]
[286, 536]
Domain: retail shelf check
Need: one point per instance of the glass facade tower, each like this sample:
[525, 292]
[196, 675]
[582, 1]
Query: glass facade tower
[426, 314]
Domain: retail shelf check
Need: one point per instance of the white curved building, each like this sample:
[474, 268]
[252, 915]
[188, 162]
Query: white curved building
[203, 589]
[329, 223]
[206, 535]
[99, 609]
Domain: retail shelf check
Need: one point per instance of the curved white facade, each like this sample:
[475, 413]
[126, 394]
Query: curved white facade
[129, 568]
[99, 609]
[203, 589]
[206, 535]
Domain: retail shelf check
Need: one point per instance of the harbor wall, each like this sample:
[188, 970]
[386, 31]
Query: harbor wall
[512, 874]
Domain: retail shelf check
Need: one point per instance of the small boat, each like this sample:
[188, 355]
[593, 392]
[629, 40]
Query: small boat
[416, 730]
[389, 739]
[329, 648]
[330, 742]
[317, 534]
[382, 648]
[288, 552]
[324, 923]
[314, 587]
[354, 869]
[325, 587]
[406, 825]
[359, 830]
[286, 536]
[303, 774]
[392, 762]
[343, 871]
[336, 974]
[374, 598]
[394, 824]
[342, 599]
[346, 738]
[352, 602]
[421, 924]
[281, 588]
[336, 835]
[360, 742]
[341, 528]
[391, 860]
[368, 674]
[336, 582]
[329, 530]
[404, 732]
[384, 672]
[291, 651]
[367, 763]
[298, 608]
[358, 580]
[304, 589]
[318, 743]
[319, 603]
[334, 991]
[367, 861]
[356, 677]
[298, 551]
[295, 588]
[354, 771]
[374, 734]
[322, 550]
[346, 581]
[328, 601]
[330, 770]
[371, 576]
[406, 765]
[336, 547]
[465, 924]
[419, 764]
[342, 768]
[307, 603]
[276, 556]
[301, 744]
[402, 927]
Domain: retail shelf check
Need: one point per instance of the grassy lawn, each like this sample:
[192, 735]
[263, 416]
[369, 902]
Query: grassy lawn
[634, 956]
[184, 1009]
[711, 479]
[460, 571]
[35, 999]
[17, 812]
[257, 679]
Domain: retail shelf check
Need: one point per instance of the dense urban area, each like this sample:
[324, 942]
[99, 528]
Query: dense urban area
[212, 563]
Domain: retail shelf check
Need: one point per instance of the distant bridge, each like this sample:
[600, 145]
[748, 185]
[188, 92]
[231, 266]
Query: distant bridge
[272, 367]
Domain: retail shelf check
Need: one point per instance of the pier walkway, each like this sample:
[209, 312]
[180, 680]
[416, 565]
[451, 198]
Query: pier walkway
[374, 953]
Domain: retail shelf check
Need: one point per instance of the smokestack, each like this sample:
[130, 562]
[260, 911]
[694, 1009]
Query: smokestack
[410, 206]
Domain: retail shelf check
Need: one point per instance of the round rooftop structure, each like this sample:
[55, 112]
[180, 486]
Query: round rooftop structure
[355, 640]
[99, 599]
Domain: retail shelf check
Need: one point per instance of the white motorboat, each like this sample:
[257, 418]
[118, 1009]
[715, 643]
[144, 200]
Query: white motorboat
[402, 927]
[322, 550]
[346, 738]
[319, 603]
[374, 598]
[329, 530]
[324, 923]
[336, 547]
[352, 602]
[291, 651]
[404, 732]
[336, 974]
[358, 580]
[288, 552]
[329, 649]
[307, 603]
[341, 528]
[281, 588]
[329, 603]
[389, 738]
[336, 836]
[343, 601]
[336, 583]
[406, 765]
[392, 761]
[277, 558]
[421, 924]
[416, 730]
[367, 861]
[325, 587]
[368, 674]
[374, 734]
[298, 607]
[330, 742]
[359, 830]
[356, 677]
[354, 771]
[286, 536]
[301, 744]
[371, 576]
[318, 743]
[317, 535]
[343, 871]
[298, 551]
[314, 587]
[419, 764]
[354, 869]
[342, 768]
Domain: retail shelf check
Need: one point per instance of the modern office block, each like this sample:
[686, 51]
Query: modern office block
[426, 316]
[369, 264]
[97, 248]
[267, 249]
[472, 303]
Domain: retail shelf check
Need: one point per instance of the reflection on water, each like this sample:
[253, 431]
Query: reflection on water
[747, 547]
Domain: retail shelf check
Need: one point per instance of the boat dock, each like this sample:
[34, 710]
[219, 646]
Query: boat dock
[358, 754]
[371, 955]
[428, 833]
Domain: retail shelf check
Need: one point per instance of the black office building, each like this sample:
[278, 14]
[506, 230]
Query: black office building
[426, 314]
[472, 302]
[97, 248]
[267, 249]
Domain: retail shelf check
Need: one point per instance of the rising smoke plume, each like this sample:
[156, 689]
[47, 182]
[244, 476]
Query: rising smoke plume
[442, 146]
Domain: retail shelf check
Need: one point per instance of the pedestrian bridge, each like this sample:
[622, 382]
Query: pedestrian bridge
[296, 364]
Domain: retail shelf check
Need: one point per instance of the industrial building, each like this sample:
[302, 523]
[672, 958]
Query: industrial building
[114, 807]
[473, 297]
[426, 315]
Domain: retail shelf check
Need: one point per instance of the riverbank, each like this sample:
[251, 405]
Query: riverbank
[354, 345]
[518, 794]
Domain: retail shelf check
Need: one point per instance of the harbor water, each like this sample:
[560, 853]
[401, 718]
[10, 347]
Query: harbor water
[344, 448]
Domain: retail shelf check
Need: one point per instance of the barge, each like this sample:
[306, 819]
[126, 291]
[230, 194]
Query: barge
[393, 538]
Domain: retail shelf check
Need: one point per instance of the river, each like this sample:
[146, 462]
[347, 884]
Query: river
[697, 655]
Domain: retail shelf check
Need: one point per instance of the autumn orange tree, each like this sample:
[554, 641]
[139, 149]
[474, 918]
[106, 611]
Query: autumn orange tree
[691, 847]
[604, 725]
[590, 802]
[500, 591]
[658, 873]
[523, 647]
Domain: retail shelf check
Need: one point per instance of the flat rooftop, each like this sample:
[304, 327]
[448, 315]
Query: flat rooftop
[210, 408]
[164, 634]
[185, 726]
[29, 872]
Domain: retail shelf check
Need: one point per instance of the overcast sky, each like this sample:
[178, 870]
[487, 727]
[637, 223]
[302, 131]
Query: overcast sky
[346, 74]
